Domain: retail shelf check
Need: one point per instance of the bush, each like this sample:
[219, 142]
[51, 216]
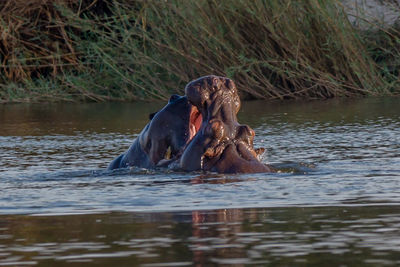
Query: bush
[130, 50]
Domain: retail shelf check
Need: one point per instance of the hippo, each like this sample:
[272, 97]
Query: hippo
[221, 144]
[197, 132]
[164, 137]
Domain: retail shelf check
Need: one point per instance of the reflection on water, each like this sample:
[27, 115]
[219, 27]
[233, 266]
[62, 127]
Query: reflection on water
[331, 236]
[335, 200]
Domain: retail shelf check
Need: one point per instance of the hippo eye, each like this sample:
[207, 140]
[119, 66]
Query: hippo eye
[174, 98]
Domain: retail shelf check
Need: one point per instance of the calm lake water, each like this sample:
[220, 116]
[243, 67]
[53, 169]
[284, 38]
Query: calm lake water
[335, 202]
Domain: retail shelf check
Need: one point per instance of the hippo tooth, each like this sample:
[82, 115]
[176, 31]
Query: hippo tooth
[192, 131]
[168, 153]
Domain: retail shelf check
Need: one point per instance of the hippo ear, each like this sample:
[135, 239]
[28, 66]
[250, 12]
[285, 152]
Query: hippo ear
[151, 116]
[173, 98]
[216, 83]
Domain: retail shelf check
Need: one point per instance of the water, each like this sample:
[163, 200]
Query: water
[335, 202]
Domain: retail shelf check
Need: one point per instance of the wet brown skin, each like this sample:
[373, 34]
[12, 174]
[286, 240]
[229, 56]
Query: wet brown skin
[162, 140]
[221, 144]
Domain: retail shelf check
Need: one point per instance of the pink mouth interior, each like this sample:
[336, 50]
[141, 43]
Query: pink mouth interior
[194, 122]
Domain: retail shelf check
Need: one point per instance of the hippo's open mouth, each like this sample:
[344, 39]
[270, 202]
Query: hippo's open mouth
[195, 120]
[222, 144]
[194, 124]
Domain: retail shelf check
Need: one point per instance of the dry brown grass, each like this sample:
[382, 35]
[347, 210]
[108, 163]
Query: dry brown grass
[126, 50]
[34, 39]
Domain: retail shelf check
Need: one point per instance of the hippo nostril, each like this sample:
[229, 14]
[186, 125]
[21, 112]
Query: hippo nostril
[174, 98]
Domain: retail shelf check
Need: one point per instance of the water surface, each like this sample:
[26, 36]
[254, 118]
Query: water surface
[336, 199]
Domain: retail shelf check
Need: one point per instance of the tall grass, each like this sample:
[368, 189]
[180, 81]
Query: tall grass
[129, 50]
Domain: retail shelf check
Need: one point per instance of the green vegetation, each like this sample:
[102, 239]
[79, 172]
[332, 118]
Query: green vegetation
[117, 50]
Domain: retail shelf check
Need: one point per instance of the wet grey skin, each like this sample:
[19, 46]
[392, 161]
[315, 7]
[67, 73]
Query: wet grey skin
[162, 139]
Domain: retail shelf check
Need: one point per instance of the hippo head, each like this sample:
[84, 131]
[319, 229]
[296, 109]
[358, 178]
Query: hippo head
[198, 131]
[221, 144]
[169, 130]
[163, 139]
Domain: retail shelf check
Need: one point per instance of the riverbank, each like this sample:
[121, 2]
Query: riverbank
[95, 50]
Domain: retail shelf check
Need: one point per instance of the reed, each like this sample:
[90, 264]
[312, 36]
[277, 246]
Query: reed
[102, 50]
